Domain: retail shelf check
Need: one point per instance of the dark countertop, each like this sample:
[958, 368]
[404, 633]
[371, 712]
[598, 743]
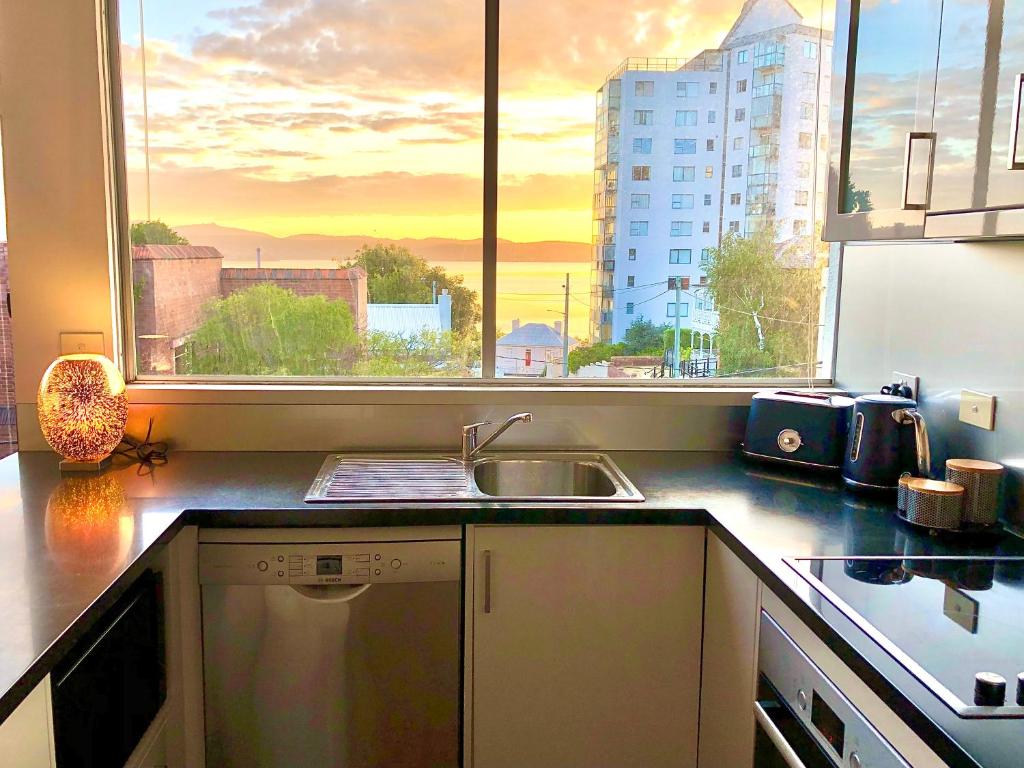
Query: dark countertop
[72, 545]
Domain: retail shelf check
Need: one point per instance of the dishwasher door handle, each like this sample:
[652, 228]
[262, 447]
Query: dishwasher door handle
[487, 580]
[331, 593]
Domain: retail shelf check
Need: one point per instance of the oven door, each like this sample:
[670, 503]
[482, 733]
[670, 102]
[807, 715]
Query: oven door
[782, 741]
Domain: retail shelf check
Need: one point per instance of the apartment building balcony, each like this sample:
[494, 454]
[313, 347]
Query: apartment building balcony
[768, 89]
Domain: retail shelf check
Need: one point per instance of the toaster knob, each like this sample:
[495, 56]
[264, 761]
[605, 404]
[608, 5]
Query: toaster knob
[789, 440]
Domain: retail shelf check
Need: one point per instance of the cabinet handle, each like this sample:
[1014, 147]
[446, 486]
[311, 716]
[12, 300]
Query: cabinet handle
[487, 581]
[1012, 163]
[913, 136]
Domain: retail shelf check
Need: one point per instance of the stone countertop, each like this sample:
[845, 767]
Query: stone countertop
[73, 544]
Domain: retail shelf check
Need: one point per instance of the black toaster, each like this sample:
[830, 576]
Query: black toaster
[806, 429]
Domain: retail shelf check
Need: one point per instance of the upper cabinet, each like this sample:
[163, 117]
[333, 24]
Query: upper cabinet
[926, 114]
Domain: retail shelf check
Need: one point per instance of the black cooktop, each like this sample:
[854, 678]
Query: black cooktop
[945, 620]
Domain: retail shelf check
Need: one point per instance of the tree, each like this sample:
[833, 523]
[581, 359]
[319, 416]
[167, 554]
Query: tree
[855, 199]
[643, 337]
[155, 233]
[269, 331]
[395, 276]
[768, 312]
[427, 353]
[598, 352]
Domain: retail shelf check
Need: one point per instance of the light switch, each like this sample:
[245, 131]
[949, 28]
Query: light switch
[978, 409]
[81, 343]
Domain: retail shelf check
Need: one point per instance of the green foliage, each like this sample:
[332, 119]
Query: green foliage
[396, 276]
[642, 337]
[428, 353]
[269, 331]
[155, 233]
[595, 353]
[855, 199]
[768, 313]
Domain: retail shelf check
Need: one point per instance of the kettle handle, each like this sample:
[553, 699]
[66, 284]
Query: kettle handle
[924, 454]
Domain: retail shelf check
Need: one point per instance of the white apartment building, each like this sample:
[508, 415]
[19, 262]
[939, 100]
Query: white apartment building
[688, 150]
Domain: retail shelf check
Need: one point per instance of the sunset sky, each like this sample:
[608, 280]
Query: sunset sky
[342, 117]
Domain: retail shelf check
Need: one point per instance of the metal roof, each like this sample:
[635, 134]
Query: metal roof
[533, 335]
[404, 319]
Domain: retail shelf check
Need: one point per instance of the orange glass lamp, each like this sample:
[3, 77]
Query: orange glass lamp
[83, 409]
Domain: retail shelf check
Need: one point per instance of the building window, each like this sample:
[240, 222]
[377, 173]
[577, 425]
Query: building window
[643, 88]
[801, 197]
[734, 226]
[710, 145]
[629, 307]
[741, 57]
[639, 200]
[737, 171]
[706, 227]
[741, 86]
[823, 141]
[641, 173]
[642, 146]
[687, 89]
[638, 228]
[712, 115]
[806, 140]
[712, 88]
[643, 117]
[741, 115]
[810, 49]
[682, 173]
[803, 169]
[709, 171]
[806, 111]
[679, 256]
[632, 254]
[734, 198]
[681, 229]
[705, 256]
[684, 309]
[685, 146]
[630, 281]
[686, 117]
[737, 143]
[809, 81]
[799, 227]
[707, 199]
[682, 201]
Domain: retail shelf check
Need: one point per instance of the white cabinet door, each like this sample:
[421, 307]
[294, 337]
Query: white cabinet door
[585, 646]
[26, 737]
[729, 680]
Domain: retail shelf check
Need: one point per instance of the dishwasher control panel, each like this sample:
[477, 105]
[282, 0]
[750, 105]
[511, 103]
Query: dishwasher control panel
[347, 563]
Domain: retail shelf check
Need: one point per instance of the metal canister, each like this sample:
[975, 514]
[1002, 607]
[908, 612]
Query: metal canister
[980, 480]
[933, 504]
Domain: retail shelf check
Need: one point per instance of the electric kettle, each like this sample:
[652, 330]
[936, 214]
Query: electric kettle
[887, 437]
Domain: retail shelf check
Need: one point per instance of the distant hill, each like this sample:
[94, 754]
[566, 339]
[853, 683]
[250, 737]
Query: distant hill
[239, 245]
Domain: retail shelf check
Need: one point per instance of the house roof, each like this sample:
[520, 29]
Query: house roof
[403, 319]
[533, 335]
[167, 252]
[760, 16]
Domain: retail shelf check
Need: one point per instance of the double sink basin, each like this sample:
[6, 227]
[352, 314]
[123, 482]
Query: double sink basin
[535, 476]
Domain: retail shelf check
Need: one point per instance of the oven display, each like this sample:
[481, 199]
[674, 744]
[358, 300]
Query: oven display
[329, 565]
[828, 723]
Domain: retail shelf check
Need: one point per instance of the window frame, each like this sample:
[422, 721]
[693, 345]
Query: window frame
[216, 389]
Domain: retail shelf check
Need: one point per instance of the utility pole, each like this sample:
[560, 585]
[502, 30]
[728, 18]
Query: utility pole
[676, 281]
[145, 106]
[565, 331]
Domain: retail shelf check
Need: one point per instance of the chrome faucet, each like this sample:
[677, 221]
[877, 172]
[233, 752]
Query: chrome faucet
[470, 447]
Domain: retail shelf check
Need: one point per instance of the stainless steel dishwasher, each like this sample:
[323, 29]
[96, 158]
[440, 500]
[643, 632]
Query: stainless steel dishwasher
[333, 648]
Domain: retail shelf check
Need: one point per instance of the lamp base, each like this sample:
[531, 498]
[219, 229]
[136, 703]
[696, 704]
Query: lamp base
[70, 465]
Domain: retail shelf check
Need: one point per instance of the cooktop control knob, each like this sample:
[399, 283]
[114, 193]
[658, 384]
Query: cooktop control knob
[989, 689]
[1020, 690]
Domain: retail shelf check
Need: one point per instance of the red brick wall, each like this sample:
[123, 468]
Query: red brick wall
[8, 427]
[348, 285]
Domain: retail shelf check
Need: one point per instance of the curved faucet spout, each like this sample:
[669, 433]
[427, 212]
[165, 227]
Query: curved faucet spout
[470, 446]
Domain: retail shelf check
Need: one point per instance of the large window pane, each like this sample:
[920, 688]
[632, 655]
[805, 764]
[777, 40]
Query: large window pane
[304, 185]
[602, 105]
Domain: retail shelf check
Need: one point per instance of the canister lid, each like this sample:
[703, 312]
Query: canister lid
[933, 487]
[974, 465]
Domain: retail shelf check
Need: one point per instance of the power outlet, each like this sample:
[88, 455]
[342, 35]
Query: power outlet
[78, 343]
[909, 379]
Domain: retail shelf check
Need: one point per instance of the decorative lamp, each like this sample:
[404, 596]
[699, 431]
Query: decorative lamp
[83, 409]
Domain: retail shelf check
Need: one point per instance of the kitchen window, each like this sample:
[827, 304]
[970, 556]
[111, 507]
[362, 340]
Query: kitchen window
[682, 173]
[256, 124]
[679, 256]
[686, 117]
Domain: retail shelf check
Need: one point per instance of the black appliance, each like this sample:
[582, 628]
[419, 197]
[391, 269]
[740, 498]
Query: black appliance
[805, 429]
[111, 685]
[887, 437]
[803, 720]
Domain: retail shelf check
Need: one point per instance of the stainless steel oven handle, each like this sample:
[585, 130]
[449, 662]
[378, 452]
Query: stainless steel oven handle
[788, 755]
[1012, 163]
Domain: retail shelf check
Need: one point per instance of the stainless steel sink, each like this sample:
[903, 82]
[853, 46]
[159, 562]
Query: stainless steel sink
[537, 476]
